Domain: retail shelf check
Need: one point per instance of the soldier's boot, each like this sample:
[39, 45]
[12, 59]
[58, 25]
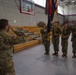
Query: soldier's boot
[46, 53]
[55, 53]
[64, 54]
[74, 55]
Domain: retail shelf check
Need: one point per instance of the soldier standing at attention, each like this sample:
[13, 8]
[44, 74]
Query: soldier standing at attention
[6, 48]
[43, 26]
[74, 40]
[45, 37]
[55, 37]
[46, 41]
[64, 39]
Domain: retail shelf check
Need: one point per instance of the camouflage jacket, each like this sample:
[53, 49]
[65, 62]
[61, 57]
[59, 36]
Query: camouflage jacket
[6, 44]
[65, 33]
[46, 37]
[73, 32]
[42, 31]
[56, 32]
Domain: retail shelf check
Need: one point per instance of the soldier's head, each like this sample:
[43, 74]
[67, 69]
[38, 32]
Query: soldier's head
[74, 23]
[65, 24]
[56, 23]
[41, 24]
[4, 25]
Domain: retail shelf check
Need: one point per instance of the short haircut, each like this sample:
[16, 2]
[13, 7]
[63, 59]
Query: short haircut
[65, 23]
[3, 23]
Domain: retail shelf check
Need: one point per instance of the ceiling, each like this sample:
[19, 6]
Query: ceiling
[67, 2]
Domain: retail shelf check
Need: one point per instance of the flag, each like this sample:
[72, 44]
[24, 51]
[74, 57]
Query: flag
[51, 7]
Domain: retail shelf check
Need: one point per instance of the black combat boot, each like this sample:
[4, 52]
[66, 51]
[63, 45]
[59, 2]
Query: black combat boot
[46, 53]
[64, 54]
[74, 55]
[55, 53]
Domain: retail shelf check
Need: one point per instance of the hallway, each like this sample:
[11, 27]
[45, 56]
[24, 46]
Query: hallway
[32, 61]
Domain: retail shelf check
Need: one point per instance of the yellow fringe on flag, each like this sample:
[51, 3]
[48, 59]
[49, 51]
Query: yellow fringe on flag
[55, 13]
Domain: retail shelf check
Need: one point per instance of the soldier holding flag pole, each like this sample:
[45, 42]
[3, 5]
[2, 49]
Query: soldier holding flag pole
[51, 7]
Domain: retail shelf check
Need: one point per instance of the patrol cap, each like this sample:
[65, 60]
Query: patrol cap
[41, 24]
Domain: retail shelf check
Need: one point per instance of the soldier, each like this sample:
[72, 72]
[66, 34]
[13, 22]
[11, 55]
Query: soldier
[43, 27]
[46, 41]
[55, 38]
[45, 38]
[74, 40]
[6, 48]
[64, 39]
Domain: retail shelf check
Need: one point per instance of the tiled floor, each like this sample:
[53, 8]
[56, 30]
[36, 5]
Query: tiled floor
[32, 61]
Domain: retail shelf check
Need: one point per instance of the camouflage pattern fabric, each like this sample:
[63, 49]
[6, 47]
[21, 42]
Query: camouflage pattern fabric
[55, 38]
[74, 39]
[41, 24]
[6, 53]
[64, 39]
[42, 33]
[21, 38]
[46, 41]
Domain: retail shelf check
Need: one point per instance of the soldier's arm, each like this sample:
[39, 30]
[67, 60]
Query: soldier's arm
[66, 36]
[17, 32]
[3, 46]
[68, 33]
[58, 32]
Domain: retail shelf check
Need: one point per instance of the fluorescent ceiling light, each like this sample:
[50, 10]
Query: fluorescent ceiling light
[73, 1]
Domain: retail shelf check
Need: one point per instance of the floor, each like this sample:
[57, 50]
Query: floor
[32, 61]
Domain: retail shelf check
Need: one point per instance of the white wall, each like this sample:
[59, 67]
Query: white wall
[10, 11]
[72, 9]
[65, 10]
[69, 12]
[72, 13]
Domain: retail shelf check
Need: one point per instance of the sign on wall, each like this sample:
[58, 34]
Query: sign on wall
[27, 7]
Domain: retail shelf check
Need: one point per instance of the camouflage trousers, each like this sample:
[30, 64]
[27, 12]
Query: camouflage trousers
[64, 43]
[55, 42]
[7, 68]
[47, 46]
[74, 45]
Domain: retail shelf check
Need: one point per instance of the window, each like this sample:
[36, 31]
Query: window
[40, 2]
[43, 2]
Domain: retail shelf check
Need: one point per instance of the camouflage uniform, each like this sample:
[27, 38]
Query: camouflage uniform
[55, 39]
[46, 42]
[74, 41]
[6, 54]
[45, 37]
[64, 40]
[21, 38]
[42, 34]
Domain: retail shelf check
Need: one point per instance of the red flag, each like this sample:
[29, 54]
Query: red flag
[51, 6]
